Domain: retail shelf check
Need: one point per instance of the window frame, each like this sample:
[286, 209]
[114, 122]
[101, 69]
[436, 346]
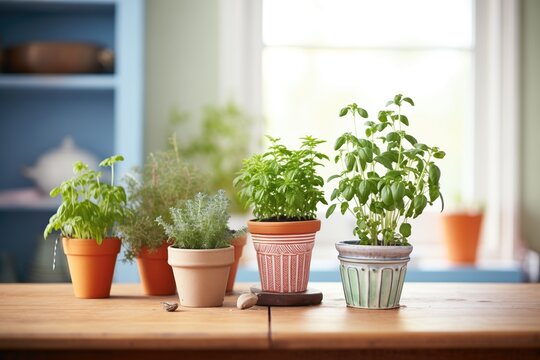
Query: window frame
[496, 78]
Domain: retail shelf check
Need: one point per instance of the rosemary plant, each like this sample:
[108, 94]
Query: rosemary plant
[200, 223]
[165, 181]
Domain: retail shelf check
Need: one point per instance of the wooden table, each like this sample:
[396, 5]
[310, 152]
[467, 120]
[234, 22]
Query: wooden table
[436, 321]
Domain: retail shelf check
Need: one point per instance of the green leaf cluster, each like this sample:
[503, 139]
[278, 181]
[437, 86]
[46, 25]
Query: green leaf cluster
[387, 176]
[220, 146]
[282, 184]
[166, 180]
[200, 223]
[89, 209]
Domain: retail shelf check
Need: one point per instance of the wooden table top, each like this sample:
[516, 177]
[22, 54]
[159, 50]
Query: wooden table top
[432, 316]
[48, 316]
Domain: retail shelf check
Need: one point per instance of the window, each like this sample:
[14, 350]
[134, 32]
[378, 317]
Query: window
[311, 57]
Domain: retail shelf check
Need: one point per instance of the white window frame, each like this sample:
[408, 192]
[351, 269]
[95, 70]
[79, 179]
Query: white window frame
[496, 106]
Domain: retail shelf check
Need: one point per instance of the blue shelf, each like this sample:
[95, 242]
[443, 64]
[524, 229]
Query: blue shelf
[56, 5]
[45, 204]
[61, 82]
[103, 113]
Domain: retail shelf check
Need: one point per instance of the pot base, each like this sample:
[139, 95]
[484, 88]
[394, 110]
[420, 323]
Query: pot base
[304, 298]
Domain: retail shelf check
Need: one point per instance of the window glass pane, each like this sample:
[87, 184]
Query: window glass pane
[368, 23]
[322, 55]
[303, 91]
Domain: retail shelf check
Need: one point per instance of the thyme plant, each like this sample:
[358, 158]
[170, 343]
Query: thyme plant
[200, 223]
[282, 184]
[90, 209]
[388, 177]
[165, 181]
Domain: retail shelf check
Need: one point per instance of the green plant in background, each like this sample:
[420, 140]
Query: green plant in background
[165, 181]
[220, 146]
[200, 223]
[388, 177]
[90, 209]
[282, 184]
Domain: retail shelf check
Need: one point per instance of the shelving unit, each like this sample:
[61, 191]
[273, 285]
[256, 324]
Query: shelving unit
[103, 113]
[74, 82]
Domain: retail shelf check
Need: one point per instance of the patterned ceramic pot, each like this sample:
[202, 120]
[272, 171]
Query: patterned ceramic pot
[284, 253]
[372, 276]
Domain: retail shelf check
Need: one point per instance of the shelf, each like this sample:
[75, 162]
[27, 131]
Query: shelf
[55, 5]
[60, 82]
[45, 204]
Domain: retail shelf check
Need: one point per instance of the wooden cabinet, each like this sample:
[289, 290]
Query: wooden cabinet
[103, 113]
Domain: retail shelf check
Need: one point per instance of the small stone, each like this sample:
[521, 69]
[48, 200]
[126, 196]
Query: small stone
[170, 307]
[245, 301]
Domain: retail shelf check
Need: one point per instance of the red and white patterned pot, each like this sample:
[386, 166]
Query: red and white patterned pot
[284, 253]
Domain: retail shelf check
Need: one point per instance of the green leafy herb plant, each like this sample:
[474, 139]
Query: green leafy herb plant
[283, 184]
[219, 146]
[90, 208]
[200, 223]
[387, 177]
[166, 180]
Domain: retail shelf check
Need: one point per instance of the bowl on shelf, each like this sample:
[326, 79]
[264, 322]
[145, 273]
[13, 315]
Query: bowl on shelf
[57, 164]
[58, 58]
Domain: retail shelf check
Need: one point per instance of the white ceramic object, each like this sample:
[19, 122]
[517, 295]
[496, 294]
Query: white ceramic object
[56, 165]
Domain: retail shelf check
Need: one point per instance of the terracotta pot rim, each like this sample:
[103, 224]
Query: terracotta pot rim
[468, 214]
[200, 258]
[82, 239]
[284, 227]
[281, 222]
[158, 253]
[172, 247]
[239, 240]
[89, 247]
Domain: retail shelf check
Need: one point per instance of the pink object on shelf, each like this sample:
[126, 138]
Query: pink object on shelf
[284, 261]
[25, 197]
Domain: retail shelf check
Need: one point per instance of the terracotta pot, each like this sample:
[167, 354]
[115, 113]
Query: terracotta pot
[284, 253]
[461, 236]
[372, 276]
[201, 275]
[156, 274]
[238, 242]
[91, 266]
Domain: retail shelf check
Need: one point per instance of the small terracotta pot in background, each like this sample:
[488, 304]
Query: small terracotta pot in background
[201, 274]
[156, 274]
[461, 236]
[238, 242]
[91, 266]
[284, 253]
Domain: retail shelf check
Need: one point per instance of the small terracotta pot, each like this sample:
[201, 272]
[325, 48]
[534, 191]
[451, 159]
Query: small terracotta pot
[201, 275]
[91, 266]
[156, 274]
[238, 242]
[461, 236]
[284, 253]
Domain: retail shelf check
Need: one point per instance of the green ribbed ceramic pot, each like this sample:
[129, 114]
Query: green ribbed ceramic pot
[372, 276]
